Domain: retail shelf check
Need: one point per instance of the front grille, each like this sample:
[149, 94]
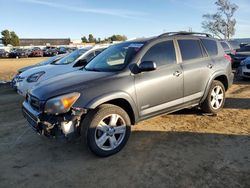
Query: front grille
[247, 73]
[31, 119]
[34, 102]
[248, 66]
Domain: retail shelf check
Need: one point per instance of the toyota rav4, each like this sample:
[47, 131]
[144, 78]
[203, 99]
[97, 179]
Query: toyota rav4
[127, 83]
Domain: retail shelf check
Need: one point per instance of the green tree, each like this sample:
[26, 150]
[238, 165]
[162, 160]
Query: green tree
[91, 39]
[84, 39]
[6, 37]
[118, 38]
[10, 37]
[14, 39]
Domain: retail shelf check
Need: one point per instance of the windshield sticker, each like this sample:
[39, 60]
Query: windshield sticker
[135, 45]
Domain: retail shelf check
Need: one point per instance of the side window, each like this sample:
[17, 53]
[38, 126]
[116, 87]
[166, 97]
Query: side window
[211, 46]
[162, 54]
[98, 51]
[90, 56]
[190, 49]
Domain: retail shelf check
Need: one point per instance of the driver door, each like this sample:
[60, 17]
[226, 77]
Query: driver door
[162, 88]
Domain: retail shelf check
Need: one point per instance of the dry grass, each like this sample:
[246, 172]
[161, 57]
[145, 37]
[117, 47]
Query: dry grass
[9, 67]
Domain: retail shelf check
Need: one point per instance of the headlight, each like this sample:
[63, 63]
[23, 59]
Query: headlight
[61, 104]
[35, 77]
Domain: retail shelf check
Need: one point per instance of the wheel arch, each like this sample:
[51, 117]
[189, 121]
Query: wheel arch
[120, 99]
[222, 77]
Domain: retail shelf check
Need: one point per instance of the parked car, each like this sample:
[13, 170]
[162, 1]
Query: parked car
[45, 62]
[240, 55]
[18, 53]
[3, 53]
[228, 49]
[72, 62]
[51, 52]
[62, 50]
[36, 52]
[127, 83]
[244, 69]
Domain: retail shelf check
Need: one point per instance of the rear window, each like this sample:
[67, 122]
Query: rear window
[211, 46]
[190, 49]
[225, 46]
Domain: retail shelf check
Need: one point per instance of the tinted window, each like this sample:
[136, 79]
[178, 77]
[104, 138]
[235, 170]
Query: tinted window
[225, 46]
[211, 46]
[190, 49]
[162, 54]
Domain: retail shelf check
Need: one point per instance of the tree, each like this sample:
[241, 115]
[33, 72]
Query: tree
[10, 37]
[222, 23]
[118, 38]
[14, 39]
[91, 39]
[84, 39]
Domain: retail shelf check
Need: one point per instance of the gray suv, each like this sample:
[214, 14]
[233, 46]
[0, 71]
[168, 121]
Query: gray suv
[127, 83]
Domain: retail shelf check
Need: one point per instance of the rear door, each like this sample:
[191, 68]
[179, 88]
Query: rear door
[162, 88]
[197, 67]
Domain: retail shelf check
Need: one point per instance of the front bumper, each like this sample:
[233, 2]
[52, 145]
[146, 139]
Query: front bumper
[66, 126]
[243, 71]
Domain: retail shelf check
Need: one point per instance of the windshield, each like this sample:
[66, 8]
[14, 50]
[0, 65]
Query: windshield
[114, 58]
[50, 60]
[71, 57]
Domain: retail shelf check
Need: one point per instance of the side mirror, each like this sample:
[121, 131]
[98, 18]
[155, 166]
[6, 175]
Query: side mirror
[147, 66]
[81, 63]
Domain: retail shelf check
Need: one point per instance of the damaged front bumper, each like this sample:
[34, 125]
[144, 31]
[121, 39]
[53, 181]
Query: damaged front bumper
[57, 126]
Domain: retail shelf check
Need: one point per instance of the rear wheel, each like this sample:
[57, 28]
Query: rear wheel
[215, 99]
[106, 130]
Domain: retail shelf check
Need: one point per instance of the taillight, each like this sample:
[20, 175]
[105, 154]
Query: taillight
[228, 57]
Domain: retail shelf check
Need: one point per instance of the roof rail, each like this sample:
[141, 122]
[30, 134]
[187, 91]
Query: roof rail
[183, 33]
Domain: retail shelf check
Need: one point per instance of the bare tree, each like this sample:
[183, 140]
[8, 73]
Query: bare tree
[221, 24]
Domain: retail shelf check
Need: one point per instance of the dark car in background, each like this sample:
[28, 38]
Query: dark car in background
[18, 53]
[50, 51]
[36, 52]
[240, 55]
[3, 53]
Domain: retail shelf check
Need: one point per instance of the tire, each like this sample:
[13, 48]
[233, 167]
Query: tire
[102, 138]
[214, 101]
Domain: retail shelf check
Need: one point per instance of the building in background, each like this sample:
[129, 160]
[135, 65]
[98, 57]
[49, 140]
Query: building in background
[44, 42]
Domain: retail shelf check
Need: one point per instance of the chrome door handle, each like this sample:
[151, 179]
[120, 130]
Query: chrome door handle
[210, 66]
[177, 73]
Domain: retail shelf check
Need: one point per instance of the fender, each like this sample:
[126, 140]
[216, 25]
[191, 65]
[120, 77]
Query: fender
[112, 96]
[214, 75]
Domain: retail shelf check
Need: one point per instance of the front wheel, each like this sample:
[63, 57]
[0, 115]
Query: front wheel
[215, 99]
[106, 130]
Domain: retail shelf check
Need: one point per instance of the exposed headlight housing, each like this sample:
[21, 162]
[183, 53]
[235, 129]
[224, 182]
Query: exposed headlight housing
[61, 104]
[35, 77]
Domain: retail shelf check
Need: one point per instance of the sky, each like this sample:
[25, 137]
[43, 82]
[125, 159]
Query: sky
[103, 18]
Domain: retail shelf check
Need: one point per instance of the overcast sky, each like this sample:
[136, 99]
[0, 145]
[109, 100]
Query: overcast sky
[102, 18]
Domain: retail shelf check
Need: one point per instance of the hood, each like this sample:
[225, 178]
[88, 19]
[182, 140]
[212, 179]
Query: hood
[35, 69]
[66, 83]
[26, 68]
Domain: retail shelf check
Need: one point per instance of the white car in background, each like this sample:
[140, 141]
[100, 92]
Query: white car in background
[72, 62]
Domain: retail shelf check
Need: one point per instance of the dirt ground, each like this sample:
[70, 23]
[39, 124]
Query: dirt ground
[9, 67]
[184, 149]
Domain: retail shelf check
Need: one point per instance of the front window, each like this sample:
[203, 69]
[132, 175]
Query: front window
[71, 57]
[115, 58]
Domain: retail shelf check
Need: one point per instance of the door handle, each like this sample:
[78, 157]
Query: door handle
[210, 65]
[177, 73]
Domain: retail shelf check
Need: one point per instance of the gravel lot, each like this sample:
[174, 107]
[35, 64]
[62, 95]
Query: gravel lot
[184, 149]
